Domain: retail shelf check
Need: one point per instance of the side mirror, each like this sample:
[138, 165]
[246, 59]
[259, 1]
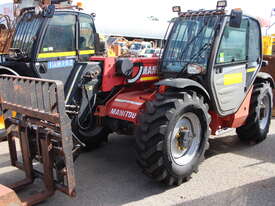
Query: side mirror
[236, 18]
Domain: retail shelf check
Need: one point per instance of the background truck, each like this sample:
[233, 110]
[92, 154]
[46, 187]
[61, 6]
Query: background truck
[206, 80]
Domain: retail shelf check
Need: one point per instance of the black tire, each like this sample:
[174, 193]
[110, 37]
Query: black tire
[154, 136]
[92, 137]
[255, 130]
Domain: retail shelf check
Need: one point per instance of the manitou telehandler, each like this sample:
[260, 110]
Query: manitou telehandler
[207, 80]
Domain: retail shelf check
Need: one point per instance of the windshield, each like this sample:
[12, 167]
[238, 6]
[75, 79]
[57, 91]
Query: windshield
[55, 40]
[190, 41]
[26, 32]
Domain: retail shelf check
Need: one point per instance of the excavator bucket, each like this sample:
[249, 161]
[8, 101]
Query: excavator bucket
[39, 135]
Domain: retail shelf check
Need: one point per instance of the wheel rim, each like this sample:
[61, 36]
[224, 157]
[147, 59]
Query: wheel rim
[264, 111]
[186, 138]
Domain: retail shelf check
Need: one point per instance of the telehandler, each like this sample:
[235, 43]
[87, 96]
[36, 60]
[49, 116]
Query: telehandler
[207, 80]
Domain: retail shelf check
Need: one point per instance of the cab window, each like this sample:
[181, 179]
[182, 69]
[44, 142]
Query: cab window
[60, 34]
[254, 48]
[86, 33]
[233, 47]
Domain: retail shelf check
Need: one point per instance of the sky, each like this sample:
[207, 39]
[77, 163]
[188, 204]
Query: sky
[126, 12]
[162, 9]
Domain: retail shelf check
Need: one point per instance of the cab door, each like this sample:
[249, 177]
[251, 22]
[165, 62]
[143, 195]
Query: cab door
[86, 39]
[85, 48]
[254, 51]
[228, 76]
[57, 51]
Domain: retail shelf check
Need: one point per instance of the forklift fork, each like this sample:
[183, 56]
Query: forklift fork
[43, 131]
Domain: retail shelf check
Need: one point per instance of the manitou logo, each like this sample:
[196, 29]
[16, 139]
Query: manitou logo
[123, 113]
[150, 70]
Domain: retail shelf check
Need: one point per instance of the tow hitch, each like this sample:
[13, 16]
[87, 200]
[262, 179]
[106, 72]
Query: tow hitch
[42, 132]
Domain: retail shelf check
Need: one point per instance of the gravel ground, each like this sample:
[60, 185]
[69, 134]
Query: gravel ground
[232, 174]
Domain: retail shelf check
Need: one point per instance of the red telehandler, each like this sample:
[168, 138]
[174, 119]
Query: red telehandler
[206, 80]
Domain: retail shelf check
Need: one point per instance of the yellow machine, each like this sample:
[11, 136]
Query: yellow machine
[267, 45]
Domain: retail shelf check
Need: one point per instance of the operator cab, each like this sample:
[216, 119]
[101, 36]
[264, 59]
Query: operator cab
[221, 51]
[48, 44]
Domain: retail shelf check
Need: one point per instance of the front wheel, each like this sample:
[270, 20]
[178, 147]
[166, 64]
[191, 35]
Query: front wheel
[92, 136]
[257, 124]
[173, 136]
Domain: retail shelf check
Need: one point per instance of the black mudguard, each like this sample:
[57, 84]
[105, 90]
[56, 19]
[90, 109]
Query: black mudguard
[183, 83]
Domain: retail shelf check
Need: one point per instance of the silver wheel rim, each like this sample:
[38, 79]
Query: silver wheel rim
[264, 111]
[186, 138]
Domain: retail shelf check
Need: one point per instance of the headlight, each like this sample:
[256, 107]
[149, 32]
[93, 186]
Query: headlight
[221, 4]
[176, 9]
[37, 65]
[194, 69]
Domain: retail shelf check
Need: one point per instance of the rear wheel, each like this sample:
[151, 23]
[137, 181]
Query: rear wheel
[173, 136]
[257, 124]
